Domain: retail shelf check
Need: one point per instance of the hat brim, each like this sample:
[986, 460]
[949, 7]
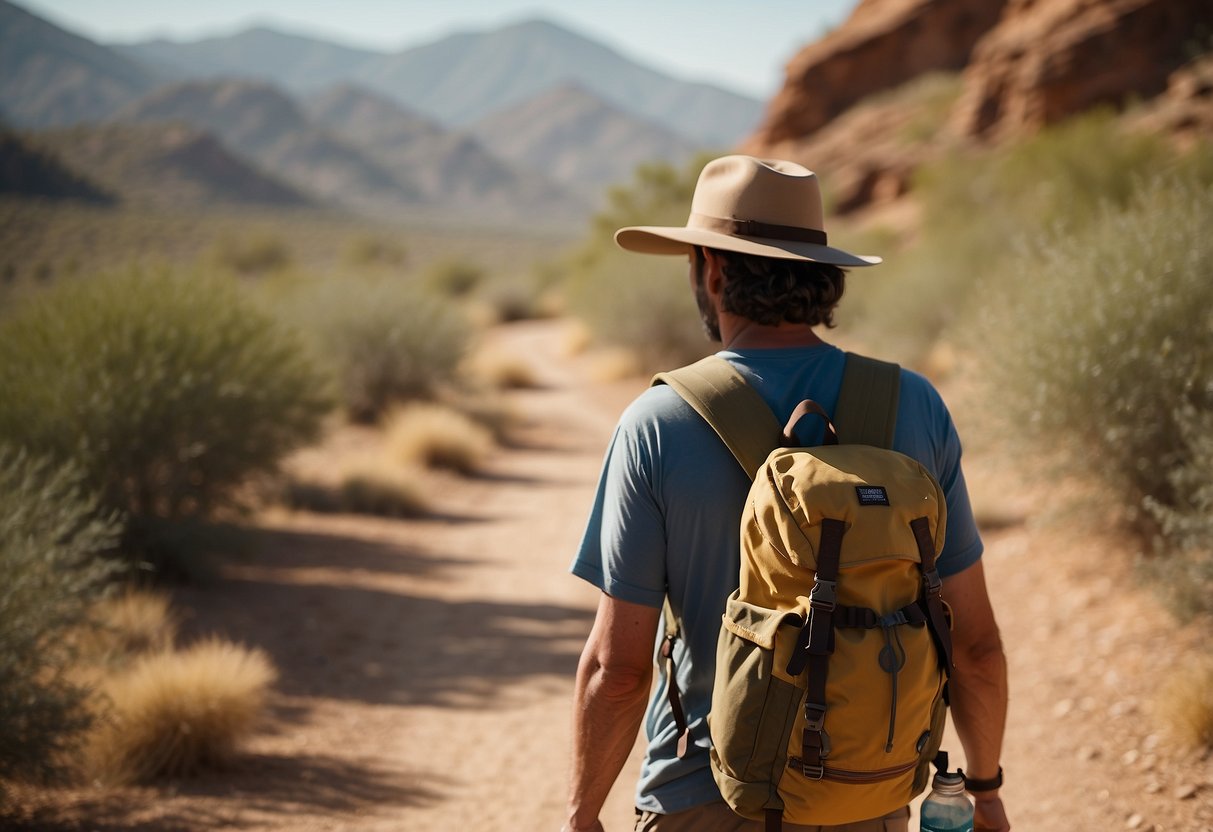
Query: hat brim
[657, 239]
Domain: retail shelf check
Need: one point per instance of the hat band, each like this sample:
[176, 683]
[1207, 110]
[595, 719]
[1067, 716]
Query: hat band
[753, 228]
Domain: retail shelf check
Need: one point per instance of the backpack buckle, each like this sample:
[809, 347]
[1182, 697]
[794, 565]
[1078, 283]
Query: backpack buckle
[813, 772]
[932, 581]
[823, 596]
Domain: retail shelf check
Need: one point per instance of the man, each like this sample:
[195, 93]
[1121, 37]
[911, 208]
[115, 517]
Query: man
[665, 519]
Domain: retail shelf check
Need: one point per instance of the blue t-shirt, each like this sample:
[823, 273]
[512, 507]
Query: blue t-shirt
[666, 516]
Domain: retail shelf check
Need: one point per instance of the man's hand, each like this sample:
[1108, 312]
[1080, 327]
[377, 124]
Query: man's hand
[989, 814]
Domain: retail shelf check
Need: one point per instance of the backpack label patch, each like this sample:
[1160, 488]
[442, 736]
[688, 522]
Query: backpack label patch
[872, 495]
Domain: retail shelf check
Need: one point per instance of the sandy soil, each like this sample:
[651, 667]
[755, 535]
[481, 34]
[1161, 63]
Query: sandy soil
[426, 666]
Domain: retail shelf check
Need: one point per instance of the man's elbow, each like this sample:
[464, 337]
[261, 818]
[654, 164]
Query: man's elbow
[982, 656]
[616, 681]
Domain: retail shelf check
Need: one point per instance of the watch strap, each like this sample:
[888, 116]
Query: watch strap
[974, 784]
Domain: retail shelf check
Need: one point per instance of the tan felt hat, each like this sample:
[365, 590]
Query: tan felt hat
[754, 206]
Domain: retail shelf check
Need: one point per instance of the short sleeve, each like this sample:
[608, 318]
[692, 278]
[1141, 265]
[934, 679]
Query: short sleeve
[623, 549]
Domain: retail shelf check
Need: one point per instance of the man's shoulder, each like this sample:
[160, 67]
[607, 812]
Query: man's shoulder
[656, 405]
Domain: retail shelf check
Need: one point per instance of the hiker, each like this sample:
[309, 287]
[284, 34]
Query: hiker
[664, 524]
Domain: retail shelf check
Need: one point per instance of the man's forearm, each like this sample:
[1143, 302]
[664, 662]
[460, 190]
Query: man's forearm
[978, 694]
[608, 708]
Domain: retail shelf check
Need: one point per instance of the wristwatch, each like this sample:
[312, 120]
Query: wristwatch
[973, 784]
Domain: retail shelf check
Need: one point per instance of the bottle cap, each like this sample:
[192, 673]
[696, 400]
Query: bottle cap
[949, 782]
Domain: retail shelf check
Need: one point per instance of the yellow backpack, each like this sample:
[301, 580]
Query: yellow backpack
[834, 650]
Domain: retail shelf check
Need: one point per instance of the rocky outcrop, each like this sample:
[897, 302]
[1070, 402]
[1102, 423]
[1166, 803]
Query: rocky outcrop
[883, 44]
[1026, 64]
[1185, 110]
[1049, 59]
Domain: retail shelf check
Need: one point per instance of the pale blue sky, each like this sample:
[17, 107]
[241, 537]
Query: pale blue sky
[740, 45]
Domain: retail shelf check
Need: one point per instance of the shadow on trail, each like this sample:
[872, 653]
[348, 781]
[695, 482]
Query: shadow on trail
[380, 647]
[334, 638]
[257, 784]
[276, 549]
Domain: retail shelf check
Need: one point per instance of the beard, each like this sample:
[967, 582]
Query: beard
[707, 312]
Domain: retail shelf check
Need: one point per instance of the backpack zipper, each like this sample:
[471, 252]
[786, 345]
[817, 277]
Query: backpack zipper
[842, 775]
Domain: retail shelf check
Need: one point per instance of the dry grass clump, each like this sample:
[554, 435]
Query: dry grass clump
[1185, 705]
[173, 714]
[382, 493]
[437, 436]
[502, 371]
[361, 488]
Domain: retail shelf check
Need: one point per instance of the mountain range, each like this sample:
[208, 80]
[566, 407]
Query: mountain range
[530, 119]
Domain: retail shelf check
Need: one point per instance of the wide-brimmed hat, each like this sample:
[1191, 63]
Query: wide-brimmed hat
[766, 207]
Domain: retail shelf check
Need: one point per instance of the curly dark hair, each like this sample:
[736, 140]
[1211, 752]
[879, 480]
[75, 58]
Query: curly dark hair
[771, 291]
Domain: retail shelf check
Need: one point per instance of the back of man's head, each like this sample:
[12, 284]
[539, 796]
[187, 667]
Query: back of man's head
[771, 291]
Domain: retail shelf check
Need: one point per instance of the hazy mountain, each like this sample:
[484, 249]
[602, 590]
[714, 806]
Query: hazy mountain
[262, 124]
[165, 165]
[50, 77]
[452, 169]
[577, 138]
[295, 62]
[465, 77]
[27, 170]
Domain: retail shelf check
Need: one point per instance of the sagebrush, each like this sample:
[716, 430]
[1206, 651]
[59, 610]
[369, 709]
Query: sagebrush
[169, 391]
[1103, 350]
[381, 340]
[56, 548]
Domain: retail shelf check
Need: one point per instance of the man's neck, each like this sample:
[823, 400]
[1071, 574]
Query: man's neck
[743, 334]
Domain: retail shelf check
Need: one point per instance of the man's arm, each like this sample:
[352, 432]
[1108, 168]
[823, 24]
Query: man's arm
[978, 687]
[612, 689]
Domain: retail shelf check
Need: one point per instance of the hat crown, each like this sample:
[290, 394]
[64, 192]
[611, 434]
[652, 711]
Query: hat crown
[772, 191]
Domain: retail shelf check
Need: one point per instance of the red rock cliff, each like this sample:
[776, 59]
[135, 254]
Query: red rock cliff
[1049, 59]
[883, 44]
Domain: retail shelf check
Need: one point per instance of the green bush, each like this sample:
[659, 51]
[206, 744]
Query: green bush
[988, 209]
[374, 250]
[1102, 342]
[252, 253]
[454, 278]
[382, 341]
[646, 305]
[168, 391]
[52, 542]
[642, 303]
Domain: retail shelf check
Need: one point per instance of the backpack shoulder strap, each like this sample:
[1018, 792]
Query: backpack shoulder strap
[866, 413]
[718, 393]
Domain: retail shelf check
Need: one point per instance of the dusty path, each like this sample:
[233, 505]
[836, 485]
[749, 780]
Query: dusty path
[427, 666]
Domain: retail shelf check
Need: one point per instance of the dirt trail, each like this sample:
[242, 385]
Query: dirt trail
[427, 665]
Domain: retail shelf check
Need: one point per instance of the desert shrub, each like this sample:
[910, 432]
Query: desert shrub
[387, 494]
[382, 341]
[168, 391]
[646, 305]
[1103, 344]
[641, 303]
[454, 278]
[437, 436]
[125, 625]
[175, 713]
[53, 546]
[374, 250]
[361, 488]
[503, 371]
[512, 299]
[985, 210]
[251, 253]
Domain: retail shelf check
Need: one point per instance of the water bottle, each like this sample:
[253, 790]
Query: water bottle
[947, 807]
